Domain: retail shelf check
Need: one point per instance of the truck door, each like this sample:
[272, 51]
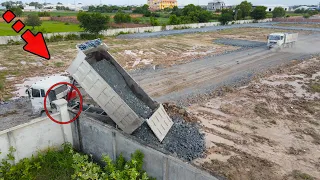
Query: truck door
[36, 100]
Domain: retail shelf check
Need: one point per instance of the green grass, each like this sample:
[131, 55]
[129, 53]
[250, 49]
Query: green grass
[146, 20]
[48, 26]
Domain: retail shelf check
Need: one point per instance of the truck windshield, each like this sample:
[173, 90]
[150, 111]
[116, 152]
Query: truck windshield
[274, 38]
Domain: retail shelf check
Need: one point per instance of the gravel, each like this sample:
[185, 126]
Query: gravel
[240, 43]
[184, 139]
[111, 75]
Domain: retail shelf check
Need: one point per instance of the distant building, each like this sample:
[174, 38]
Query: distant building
[213, 6]
[29, 8]
[270, 8]
[161, 4]
[2, 8]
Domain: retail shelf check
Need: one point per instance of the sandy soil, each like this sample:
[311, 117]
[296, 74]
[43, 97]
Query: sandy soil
[269, 129]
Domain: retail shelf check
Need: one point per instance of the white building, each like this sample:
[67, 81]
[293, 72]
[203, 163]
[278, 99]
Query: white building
[215, 5]
[271, 7]
[28, 8]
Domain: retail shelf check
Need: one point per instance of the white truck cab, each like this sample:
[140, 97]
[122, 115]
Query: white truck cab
[281, 40]
[37, 91]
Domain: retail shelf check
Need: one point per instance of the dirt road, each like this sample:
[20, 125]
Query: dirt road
[201, 76]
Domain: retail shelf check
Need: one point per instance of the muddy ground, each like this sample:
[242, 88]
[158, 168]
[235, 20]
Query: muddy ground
[269, 129]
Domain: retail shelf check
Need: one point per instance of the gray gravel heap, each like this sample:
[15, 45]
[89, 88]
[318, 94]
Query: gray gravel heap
[240, 43]
[111, 75]
[183, 140]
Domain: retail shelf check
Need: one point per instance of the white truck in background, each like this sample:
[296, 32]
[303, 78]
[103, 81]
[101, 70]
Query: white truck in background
[282, 40]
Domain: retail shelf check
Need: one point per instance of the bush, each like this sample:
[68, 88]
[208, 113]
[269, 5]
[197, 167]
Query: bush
[225, 18]
[306, 16]
[44, 14]
[12, 42]
[174, 20]
[56, 38]
[86, 36]
[121, 17]
[278, 12]
[154, 21]
[259, 13]
[68, 164]
[69, 37]
[17, 11]
[66, 23]
[136, 20]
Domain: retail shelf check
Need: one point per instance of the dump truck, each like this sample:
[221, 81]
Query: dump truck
[282, 40]
[115, 91]
[37, 91]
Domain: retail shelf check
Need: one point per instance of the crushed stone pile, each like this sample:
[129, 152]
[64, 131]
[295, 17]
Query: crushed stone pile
[184, 139]
[112, 76]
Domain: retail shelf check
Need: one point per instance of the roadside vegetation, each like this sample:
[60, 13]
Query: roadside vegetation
[69, 164]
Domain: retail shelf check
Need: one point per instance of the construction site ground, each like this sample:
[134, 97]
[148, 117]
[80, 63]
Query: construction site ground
[267, 129]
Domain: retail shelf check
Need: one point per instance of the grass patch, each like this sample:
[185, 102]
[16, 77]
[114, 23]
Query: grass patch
[315, 87]
[58, 64]
[47, 26]
[298, 175]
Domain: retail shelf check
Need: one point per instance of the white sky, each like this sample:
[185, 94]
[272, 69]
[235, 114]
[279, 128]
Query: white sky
[182, 2]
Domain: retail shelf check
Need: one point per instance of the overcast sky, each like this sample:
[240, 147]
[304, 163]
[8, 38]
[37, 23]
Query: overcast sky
[183, 2]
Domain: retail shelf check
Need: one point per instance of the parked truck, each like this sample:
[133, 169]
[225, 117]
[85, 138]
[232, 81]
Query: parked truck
[282, 40]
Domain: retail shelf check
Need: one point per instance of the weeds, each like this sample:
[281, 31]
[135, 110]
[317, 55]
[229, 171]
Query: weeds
[68, 164]
[58, 64]
[315, 87]
[298, 175]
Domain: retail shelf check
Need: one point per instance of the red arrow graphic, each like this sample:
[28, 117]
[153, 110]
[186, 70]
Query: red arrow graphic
[35, 44]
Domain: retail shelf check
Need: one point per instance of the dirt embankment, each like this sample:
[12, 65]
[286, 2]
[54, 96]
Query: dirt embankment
[269, 129]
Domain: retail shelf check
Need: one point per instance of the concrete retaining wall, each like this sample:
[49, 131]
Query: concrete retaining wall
[97, 138]
[296, 20]
[36, 135]
[112, 32]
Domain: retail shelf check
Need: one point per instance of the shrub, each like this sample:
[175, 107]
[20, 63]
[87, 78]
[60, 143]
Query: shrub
[72, 37]
[121, 17]
[12, 42]
[278, 12]
[68, 164]
[154, 21]
[44, 14]
[136, 20]
[56, 38]
[225, 18]
[259, 12]
[174, 20]
[306, 16]
[66, 23]
[87, 36]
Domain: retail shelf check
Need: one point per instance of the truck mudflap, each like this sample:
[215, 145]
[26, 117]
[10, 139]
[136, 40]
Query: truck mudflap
[160, 123]
[108, 99]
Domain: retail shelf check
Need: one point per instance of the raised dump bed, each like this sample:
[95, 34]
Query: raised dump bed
[114, 90]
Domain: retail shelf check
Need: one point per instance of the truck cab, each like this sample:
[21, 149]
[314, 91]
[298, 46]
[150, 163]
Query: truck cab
[36, 92]
[276, 40]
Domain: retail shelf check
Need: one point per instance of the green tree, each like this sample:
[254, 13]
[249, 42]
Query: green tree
[259, 13]
[225, 18]
[93, 22]
[121, 17]
[278, 12]
[33, 20]
[174, 20]
[154, 21]
[245, 7]
[17, 11]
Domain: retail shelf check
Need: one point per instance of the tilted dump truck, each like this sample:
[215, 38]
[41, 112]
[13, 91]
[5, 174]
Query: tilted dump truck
[115, 91]
[281, 40]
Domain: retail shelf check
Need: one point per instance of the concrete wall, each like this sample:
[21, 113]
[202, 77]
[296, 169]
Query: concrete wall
[97, 138]
[112, 32]
[38, 134]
